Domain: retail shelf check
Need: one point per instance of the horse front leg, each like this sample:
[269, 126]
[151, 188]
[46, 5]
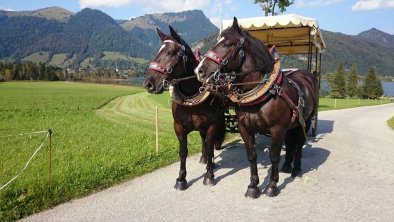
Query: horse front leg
[181, 183]
[209, 178]
[249, 139]
[271, 189]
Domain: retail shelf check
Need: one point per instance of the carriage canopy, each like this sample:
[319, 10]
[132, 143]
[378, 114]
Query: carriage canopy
[291, 34]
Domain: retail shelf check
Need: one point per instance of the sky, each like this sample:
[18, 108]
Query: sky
[346, 16]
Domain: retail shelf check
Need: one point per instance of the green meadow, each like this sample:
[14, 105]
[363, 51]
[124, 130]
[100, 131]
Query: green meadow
[102, 135]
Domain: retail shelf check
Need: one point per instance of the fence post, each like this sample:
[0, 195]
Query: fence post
[335, 103]
[157, 129]
[50, 157]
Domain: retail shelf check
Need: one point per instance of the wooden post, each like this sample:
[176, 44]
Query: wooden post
[50, 158]
[157, 129]
[335, 103]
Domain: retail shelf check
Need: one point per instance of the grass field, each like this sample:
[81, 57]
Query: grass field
[330, 104]
[102, 135]
[92, 148]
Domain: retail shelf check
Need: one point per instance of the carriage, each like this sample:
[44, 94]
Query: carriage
[292, 35]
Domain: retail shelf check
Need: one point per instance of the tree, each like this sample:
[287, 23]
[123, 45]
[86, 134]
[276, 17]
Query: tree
[338, 88]
[269, 6]
[372, 87]
[352, 82]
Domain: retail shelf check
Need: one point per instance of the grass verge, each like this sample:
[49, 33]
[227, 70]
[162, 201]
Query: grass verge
[390, 122]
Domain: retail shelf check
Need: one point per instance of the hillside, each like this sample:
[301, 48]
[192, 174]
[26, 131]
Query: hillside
[192, 25]
[372, 48]
[55, 13]
[91, 38]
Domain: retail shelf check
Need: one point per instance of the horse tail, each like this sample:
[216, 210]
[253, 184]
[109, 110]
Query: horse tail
[220, 132]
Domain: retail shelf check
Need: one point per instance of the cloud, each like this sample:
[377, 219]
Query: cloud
[149, 5]
[367, 5]
[103, 3]
[228, 9]
[315, 3]
[5, 9]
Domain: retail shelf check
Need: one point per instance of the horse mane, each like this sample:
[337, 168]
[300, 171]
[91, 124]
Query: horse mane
[262, 58]
[192, 62]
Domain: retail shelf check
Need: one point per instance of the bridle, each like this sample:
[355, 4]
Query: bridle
[223, 61]
[167, 70]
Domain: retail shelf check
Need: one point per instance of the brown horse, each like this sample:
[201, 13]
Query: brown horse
[192, 110]
[243, 60]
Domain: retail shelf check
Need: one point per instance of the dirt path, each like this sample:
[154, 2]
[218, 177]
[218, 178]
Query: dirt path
[348, 176]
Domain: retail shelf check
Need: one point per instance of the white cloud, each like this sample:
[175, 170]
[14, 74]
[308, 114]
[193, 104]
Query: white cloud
[149, 5]
[315, 3]
[228, 9]
[365, 5]
[100, 3]
[5, 9]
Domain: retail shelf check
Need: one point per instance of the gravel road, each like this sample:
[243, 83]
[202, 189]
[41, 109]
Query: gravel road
[348, 176]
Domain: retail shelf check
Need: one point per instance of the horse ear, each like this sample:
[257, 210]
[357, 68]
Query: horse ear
[235, 25]
[161, 34]
[174, 34]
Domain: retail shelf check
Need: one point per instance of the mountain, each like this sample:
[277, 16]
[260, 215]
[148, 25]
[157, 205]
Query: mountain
[366, 50]
[91, 38]
[372, 48]
[56, 13]
[376, 36]
[191, 25]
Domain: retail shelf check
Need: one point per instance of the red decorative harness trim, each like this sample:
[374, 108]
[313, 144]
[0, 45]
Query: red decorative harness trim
[158, 68]
[214, 57]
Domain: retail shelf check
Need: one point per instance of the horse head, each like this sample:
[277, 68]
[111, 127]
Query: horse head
[173, 60]
[235, 52]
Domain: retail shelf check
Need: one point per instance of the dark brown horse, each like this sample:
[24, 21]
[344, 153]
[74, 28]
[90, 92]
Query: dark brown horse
[243, 60]
[192, 110]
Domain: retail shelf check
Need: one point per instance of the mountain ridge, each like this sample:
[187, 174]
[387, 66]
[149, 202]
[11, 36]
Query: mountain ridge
[92, 38]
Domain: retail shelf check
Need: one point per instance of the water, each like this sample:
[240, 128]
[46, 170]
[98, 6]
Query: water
[388, 88]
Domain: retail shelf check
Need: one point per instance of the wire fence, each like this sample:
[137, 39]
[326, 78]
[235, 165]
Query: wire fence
[48, 135]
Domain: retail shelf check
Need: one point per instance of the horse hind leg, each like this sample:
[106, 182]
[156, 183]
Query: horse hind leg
[290, 142]
[300, 141]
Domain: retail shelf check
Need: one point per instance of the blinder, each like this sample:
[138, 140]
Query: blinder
[166, 71]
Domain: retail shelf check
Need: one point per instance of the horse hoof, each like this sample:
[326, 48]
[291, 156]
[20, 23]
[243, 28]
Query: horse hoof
[296, 173]
[181, 185]
[253, 193]
[203, 160]
[271, 191]
[209, 181]
[286, 168]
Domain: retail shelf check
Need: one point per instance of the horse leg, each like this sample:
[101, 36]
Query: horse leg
[299, 143]
[290, 149]
[209, 178]
[277, 138]
[249, 140]
[181, 183]
[203, 158]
